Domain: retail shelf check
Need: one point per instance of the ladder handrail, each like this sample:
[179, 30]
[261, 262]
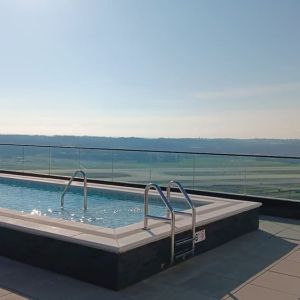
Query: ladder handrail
[174, 183]
[84, 188]
[169, 208]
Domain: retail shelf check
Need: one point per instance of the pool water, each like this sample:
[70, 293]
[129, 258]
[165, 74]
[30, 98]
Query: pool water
[106, 208]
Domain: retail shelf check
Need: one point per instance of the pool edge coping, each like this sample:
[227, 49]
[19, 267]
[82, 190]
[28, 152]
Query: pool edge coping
[120, 239]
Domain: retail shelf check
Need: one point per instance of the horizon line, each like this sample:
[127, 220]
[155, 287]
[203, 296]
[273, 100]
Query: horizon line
[148, 138]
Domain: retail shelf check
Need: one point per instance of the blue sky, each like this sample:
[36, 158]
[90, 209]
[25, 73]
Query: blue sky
[150, 68]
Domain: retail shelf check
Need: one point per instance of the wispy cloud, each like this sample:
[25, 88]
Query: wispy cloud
[249, 91]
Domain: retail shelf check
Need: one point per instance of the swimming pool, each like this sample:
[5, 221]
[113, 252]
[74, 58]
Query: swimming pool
[115, 250]
[107, 208]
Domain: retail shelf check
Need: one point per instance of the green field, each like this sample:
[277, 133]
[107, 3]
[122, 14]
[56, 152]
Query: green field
[278, 178]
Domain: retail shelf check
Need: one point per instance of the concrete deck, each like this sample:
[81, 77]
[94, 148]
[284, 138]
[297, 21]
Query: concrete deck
[264, 264]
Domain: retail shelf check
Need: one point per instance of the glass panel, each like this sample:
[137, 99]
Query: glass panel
[173, 166]
[258, 176]
[131, 166]
[11, 158]
[273, 177]
[96, 163]
[64, 161]
[219, 173]
[36, 159]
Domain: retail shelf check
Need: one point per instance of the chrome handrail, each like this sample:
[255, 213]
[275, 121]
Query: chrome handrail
[84, 188]
[174, 183]
[166, 219]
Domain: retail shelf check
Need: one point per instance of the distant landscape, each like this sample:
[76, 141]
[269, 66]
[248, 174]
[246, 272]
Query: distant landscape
[261, 176]
[240, 146]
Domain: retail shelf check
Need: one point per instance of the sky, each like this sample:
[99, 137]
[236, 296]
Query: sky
[159, 68]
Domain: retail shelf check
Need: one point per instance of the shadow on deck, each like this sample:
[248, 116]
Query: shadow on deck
[216, 274]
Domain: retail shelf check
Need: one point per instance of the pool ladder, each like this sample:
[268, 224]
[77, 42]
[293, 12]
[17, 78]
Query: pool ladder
[62, 200]
[180, 248]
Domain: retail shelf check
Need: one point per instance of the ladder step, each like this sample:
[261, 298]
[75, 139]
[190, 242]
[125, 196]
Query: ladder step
[183, 254]
[183, 241]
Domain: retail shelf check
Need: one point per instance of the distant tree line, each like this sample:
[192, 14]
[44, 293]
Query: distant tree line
[239, 146]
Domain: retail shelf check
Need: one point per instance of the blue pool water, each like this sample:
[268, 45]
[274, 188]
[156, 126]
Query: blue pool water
[105, 208]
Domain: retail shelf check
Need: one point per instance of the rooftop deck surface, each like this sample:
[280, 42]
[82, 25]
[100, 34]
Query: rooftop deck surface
[264, 264]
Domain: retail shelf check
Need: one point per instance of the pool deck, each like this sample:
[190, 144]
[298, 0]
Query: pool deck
[264, 264]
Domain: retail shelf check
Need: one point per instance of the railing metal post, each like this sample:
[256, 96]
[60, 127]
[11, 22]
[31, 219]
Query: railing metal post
[194, 170]
[79, 158]
[49, 160]
[150, 166]
[23, 159]
[245, 176]
[112, 165]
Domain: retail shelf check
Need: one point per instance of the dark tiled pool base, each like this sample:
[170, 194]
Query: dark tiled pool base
[107, 269]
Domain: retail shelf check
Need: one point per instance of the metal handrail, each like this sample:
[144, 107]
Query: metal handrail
[154, 151]
[168, 219]
[84, 188]
[174, 183]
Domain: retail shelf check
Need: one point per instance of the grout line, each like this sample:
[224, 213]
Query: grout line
[275, 290]
[294, 276]
[18, 295]
[250, 280]
[262, 272]
[289, 238]
[276, 234]
[292, 260]
[289, 228]
[6, 294]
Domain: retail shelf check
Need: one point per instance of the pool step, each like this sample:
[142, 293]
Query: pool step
[183, 254]
[184, 241]
[183, 247]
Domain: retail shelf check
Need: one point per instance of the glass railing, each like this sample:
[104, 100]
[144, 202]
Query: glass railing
[255, 175]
